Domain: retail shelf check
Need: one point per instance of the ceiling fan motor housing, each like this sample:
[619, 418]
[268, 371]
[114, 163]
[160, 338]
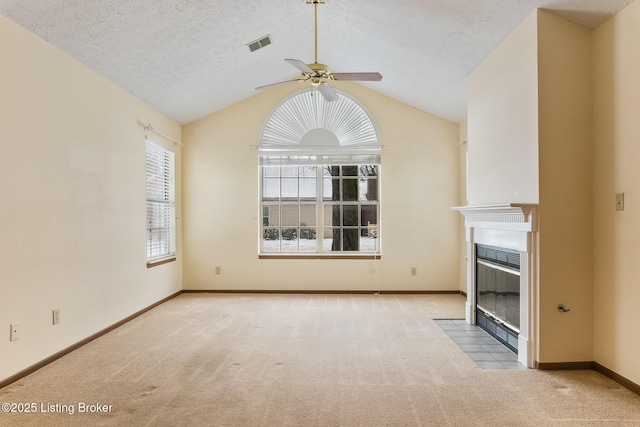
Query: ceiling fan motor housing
[321, 72]
[319, 68]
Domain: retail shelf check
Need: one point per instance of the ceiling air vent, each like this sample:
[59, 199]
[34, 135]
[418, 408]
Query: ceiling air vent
[260, 43]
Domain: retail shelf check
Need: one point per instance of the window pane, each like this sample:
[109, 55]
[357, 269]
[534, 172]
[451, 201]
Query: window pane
[350, 215]
[307, 215]
[327, 239]
[308, 188]
[336, 215]
[327, 213]
[308, 233]
[290, 171]
[368, 215]
[289, 244]
[272, 215]
[155, 215]
[289, 216]
[350, 171]
[289, 240]
[157, 242]
[271, 240]
[330, 171]
[158, 219]
[326, 189]
[368, 243]
[307, 239]
[350, 240]
[308, 171]
[350, 189]
[271, 171]
[369, 189]
[289, 188]
[332, 239]
[331, 190]
[368, 170]
[270, 189]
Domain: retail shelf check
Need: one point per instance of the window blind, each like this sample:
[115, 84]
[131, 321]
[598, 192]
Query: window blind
[160, 189]
[336, 159]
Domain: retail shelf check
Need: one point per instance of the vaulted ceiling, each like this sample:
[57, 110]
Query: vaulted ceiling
[188, 58]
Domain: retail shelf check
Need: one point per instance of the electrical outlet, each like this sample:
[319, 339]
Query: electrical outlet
[55, 316]
[218, 271]
[14, 334]
[414, 271]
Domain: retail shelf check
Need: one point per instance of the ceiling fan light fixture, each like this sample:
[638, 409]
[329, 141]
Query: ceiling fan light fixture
[318, 74]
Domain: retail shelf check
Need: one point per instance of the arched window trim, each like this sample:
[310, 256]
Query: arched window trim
[306, 110]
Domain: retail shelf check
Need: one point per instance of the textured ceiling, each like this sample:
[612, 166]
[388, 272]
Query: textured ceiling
[188, 58]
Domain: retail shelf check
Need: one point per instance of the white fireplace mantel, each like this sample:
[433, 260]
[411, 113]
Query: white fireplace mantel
[512, 216]
[511, 226]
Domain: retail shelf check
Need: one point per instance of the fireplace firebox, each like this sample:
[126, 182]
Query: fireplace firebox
[498, 293]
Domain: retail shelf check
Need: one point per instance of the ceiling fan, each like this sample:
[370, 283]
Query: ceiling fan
[319, 74]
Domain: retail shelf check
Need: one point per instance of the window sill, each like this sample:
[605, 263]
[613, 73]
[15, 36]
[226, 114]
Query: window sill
[319, 256]
[160, 261]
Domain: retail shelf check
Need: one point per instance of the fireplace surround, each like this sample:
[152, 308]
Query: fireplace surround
[513, 227]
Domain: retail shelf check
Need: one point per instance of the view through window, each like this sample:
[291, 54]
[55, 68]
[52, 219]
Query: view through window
[324, 208]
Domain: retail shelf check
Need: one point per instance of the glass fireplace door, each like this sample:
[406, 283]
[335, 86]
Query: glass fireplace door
[498, 293]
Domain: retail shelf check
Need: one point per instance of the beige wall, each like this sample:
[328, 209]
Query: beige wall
[502, 122]
[565, 177]
[72, 197]
[529, 129]
[616, 107]
[419, 182]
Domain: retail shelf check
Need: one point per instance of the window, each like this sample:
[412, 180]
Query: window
[316, 206]
[160, 165]
[319, 178]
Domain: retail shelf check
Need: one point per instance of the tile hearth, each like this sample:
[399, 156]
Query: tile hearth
[481, 347]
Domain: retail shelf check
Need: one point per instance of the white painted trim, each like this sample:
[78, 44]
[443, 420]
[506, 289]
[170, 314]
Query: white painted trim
[511, 226]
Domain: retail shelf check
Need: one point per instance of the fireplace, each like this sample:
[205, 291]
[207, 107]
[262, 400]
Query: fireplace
[502, 241]
[498, 293]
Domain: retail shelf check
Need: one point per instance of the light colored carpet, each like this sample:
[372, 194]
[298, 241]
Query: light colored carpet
[305, 360]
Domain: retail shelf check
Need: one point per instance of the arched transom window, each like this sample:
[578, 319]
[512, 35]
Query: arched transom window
[319, 178]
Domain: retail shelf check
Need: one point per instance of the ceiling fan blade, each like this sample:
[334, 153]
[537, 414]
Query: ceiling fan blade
[300, 66]
[363, 77]
[327, 92]
[278, 84]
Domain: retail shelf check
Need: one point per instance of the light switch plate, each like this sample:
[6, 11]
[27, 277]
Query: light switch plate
[14, 333]
[619, 201]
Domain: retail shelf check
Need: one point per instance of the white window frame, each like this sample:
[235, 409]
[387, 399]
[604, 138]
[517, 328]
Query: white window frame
[321, 204]
[161, 204]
